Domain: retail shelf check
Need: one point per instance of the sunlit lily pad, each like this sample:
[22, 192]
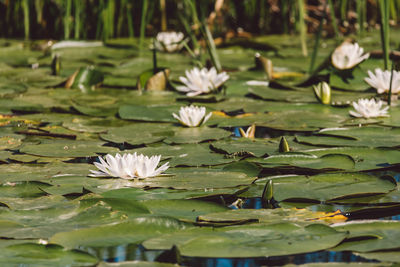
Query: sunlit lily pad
[148, 113]
[267, 216]
[44, 255]
[375, 236]
[365, 158]
[309, 161]
[64, 148]
[194, 178]
[358, 136]
[138, 133]
[323, 187]
[185, 155]
[130, 232]
[265, 240]
[196, 135]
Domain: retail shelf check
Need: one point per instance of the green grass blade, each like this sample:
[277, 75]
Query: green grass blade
[384, 10]
[67, 19]
[143, 24]
[302, 24]
[25, 6]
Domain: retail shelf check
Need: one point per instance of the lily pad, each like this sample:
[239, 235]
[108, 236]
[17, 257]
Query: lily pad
[148, 113]
[64, 148]
[358, 136]
[301, 160]
[138, 133]
[323, 187]
[44, 255]
[194, 178]
[130, 232]
[196, 135]
[374, 235]
[264, 240]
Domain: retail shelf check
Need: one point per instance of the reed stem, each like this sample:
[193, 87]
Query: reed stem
[25, 6]
[384, 9]
[302, 23]
[143, 24]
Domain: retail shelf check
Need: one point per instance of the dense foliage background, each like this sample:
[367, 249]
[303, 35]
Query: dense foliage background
[102, 19]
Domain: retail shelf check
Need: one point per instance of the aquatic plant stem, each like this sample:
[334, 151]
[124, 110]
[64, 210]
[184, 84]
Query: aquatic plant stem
[143, 24]
[163, 15]
[303, 33]
[390, 86]
[25, 6]
[154, 56]
[316, 44]
[384, 9]
[67, 18]
[334, 20]
[78, 12]
[211, 47]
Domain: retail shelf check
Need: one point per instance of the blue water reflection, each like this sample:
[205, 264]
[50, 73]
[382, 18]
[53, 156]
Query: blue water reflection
[135, 252]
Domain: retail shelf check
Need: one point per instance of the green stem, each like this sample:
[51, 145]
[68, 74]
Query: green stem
[384, 9]
[143, 24]
[129, 16]
[25, 6]
[67, 19]
[78, 12]
[334, 20]
[390, 86]
[302, 27]
[211, 47]
[316, 46]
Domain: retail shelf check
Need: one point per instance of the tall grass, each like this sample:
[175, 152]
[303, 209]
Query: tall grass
[384, 9]
[302, 27]
[143, 23]
[103, 19]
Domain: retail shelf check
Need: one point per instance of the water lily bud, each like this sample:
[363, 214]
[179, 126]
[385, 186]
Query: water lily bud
[323, 93]
[56, 65]
[264, 64]
[283, 145]
[268, 194]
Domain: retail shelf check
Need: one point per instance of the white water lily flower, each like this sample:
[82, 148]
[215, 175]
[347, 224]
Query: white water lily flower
[169, 41]
[192, 116]
[202, 81]
[380, 80]
[365, 108]
[347, 56]
[129, 166]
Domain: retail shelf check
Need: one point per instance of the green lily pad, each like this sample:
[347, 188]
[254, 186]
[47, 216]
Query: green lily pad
[149, 113]
[195, 178]
[375, 236]
[365, 158]
[358, 136]
[182, 209]
[44, 255]
[323, 187]
[185, 155]
[138, 133]
[64, 148]
[301, 160]
[349, 80]
[195, 135]
[267, 216]
[130, 232]
[264, 240]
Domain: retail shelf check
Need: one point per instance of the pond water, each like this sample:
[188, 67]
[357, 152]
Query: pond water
[132, 252]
